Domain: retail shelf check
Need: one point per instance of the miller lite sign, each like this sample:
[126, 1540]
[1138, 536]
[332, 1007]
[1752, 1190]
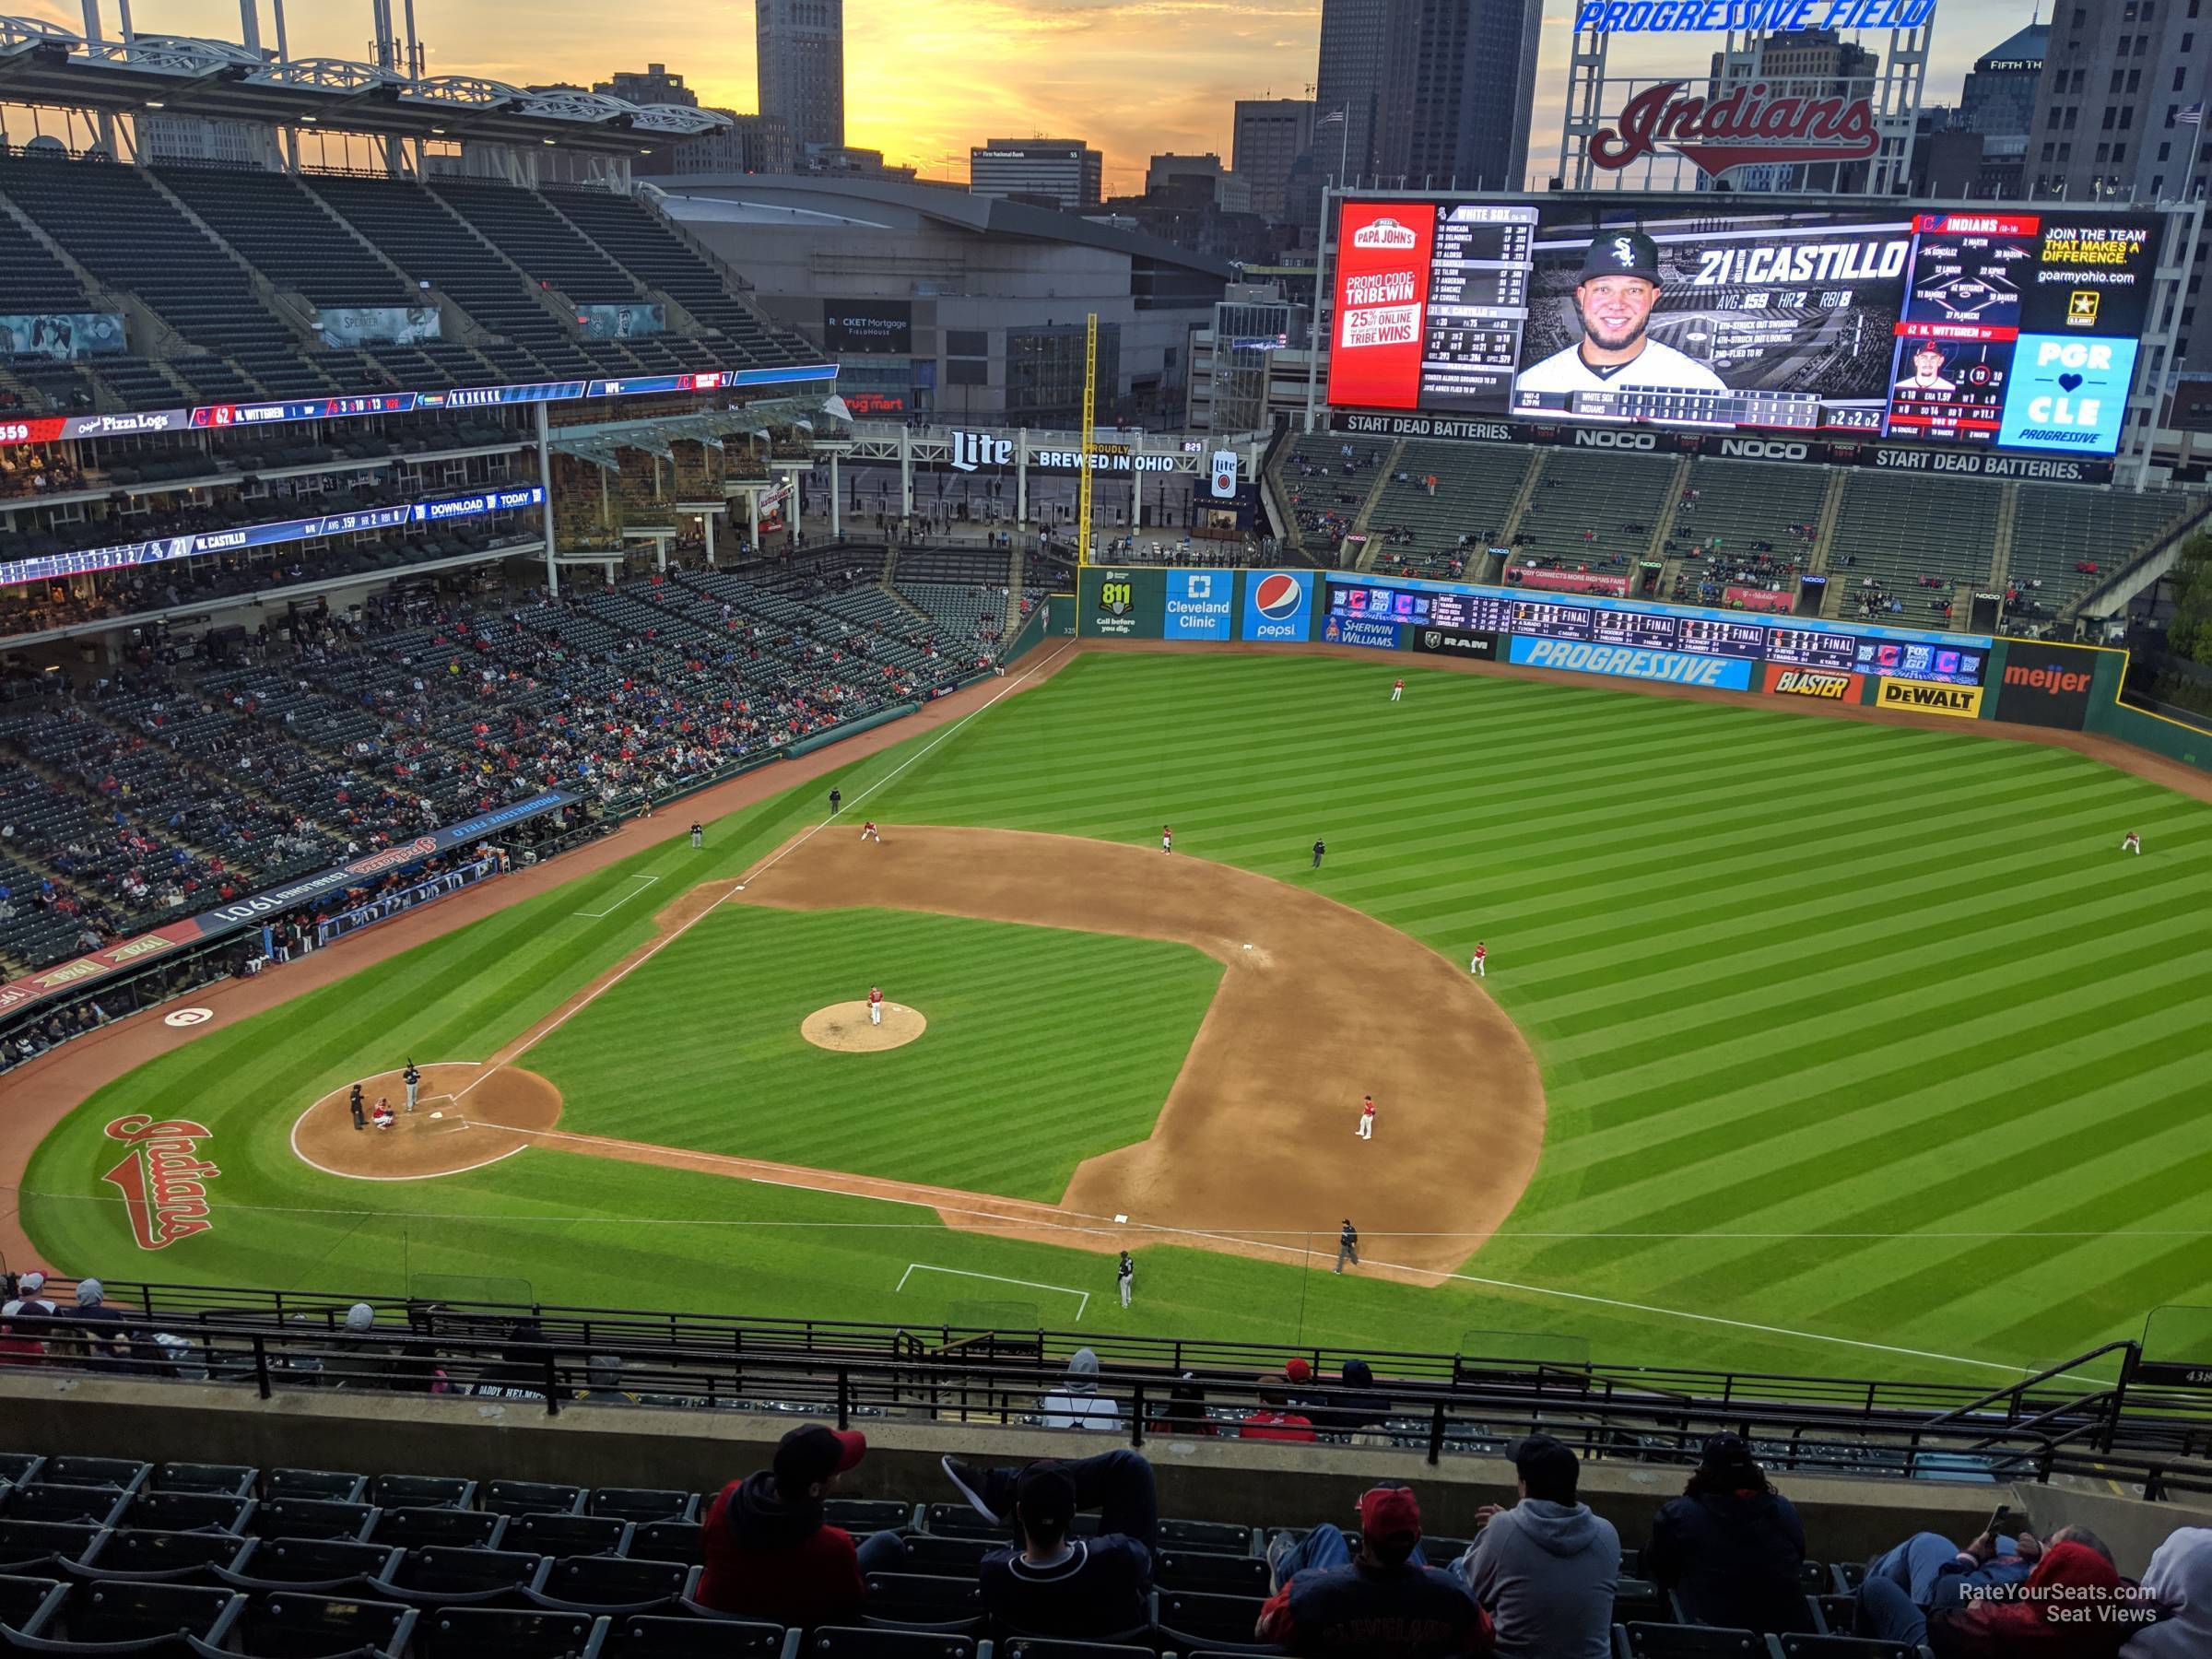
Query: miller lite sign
[1225, 474]
[972, 450]
[1746, 127]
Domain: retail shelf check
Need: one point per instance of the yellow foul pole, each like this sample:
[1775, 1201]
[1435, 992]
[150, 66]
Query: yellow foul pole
[1090, 406]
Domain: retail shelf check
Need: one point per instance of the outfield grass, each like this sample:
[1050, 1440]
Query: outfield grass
[1861, 1044]
[728, 1072]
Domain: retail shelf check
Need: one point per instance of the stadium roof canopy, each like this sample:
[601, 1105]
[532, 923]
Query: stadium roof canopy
[42, 63]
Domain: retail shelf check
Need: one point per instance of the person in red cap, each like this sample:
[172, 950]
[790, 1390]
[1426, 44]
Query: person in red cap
[768, 1553]
[1274, 1421]
[1385, 1602]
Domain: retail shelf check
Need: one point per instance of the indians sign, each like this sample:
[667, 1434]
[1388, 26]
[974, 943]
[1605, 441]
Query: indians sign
[163, 1181]
[1748, 126]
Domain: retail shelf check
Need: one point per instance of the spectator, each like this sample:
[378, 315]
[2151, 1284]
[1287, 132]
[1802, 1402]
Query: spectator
[107, 1341]
[1052, 1585]
[356, 1364]
[2181, 1578]
[1184, 1412]
[1385, 1602]
[2041, 1617]
[19, 1347]
[1274, 1421]
[602, 1373]
[1934, 1573]
[1077, 1402]
[768, 1553]
[1730, 1547]
[1546, 1569]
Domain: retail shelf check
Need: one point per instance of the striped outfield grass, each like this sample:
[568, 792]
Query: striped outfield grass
[1861, 1044]
[729, 1072]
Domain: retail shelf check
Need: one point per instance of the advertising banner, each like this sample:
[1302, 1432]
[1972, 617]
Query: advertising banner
[1382, 278]
[63, 336]
[1278, 606]
[868, 327]
[1198, 605]
[1758, 599]
[378, 325]
[623, 322]
[1224, 475]
[1568, 582]
[1377, 633]
[1674, 667]
[1929, 697]
[2046, 684]
[1822, 684]
[1454, 643]
[1117, 603]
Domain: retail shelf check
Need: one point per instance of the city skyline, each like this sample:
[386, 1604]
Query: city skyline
[1132, 79]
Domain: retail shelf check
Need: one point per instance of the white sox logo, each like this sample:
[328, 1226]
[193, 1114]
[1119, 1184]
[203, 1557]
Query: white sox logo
[1624, 251]
[163, 1182]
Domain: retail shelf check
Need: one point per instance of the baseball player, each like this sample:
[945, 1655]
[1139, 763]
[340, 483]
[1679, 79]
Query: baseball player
[1620, 286]
[1927, 372]
[1347, 1245]
[1476, 963]
[698, 836]
[874, 1005]
[1126, 1275]
[1320, 847]
[2132, 842]
[869, 832]
[360, 1116]
[1367, 1117]
[836, 800]
[412, 1079]
[1166, 838]
[1397, 689]
[384, 1114]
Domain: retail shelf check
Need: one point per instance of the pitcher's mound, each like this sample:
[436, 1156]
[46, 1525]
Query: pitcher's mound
[846, 1027]
[464, 1121]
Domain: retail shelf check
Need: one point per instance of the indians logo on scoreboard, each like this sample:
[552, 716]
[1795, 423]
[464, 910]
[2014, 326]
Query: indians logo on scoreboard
[1746, 127]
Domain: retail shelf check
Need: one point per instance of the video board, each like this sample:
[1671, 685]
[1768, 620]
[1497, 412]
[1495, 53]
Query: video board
[2010, 330]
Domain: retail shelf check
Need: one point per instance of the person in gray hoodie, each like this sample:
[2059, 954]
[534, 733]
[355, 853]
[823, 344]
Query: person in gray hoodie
[1546, 1569]
[1077, 1402]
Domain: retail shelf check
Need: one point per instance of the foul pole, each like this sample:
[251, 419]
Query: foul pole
[1090, 404]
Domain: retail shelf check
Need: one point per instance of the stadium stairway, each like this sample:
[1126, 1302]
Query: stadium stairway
[1365, 517]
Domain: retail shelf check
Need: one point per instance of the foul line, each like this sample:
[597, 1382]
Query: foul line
[617, 904]
[759, 870]
[1082, 1297]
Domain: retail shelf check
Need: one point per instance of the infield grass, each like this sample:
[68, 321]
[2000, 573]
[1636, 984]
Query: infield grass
[1865, 1051]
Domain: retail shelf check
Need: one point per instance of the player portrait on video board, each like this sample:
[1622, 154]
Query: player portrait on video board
[1928, 371]
[1614, 298]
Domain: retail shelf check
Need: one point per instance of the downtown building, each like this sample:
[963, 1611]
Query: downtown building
[1431, 92]
[1271, 134]
[801, 70]
[1065, 173]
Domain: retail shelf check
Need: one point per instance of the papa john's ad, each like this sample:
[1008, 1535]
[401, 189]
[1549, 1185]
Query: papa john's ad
[1382, 292]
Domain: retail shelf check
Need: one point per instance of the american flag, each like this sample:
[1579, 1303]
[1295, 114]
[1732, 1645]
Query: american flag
[1336, 115]
[2192, 116]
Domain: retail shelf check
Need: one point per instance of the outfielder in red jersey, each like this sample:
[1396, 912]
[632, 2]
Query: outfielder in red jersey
[874, 1005]
[1367, 1118]
[1397, 689]
[1479, 960]
[869, 832]
[1166, 838]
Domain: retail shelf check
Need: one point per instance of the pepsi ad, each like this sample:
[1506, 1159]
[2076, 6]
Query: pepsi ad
[1278, 606]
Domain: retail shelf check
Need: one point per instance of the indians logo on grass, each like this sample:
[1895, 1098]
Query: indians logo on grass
[163, 1181]
[1277, 596]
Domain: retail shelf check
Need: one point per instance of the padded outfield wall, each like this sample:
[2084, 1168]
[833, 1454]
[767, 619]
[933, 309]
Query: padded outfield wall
[1964, 676]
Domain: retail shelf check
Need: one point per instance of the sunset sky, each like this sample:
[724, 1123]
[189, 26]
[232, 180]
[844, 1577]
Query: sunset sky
[924, 81]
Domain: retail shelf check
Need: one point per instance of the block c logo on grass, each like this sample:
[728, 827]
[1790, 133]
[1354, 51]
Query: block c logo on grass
[163, 1181]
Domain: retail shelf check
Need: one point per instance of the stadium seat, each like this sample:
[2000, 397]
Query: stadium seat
[1843, 1647]
[443, 1576]
[840, 1642]
[313, 1518]
[1641, 1641]
[230, 1480]
[153, 1619]
[1190, 1620]
[325, 1484]
[424, 1492]
[124, 1473]
[187, 1512]
[290, 1625]
[1834, 1615]
[320, 1566]
[943, 1557]
[574, 1535]
[1442, 1551]
[476, 1633]
[609, 1584]
[1053, 1647]
[20, 1468]
[71, 1505]
[1216, 1574]
[637, 1636]
[641, 1503]
[907, 1598]
[34, 1546]
[415, 1528]
[157, 1556]
[532, 1498]
[1636, 1600]
[28, 1605]
[858, 1515]
[1849, 1575]
[1216, 1535]
[683, 1541]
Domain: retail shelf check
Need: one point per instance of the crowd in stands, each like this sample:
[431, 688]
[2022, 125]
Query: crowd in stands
[37, 469]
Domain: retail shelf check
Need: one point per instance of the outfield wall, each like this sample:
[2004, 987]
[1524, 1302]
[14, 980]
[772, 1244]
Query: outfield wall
[1963, 676]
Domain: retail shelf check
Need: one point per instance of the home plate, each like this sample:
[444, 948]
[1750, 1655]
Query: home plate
[436, 1115]
[1121, 1217]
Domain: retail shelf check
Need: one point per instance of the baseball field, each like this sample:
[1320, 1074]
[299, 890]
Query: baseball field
[1805, 1045]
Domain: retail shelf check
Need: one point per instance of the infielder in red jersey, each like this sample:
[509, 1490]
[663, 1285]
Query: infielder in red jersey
[869, 832]
[1367, 1118]
[1166, 838]
[874, 1005]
